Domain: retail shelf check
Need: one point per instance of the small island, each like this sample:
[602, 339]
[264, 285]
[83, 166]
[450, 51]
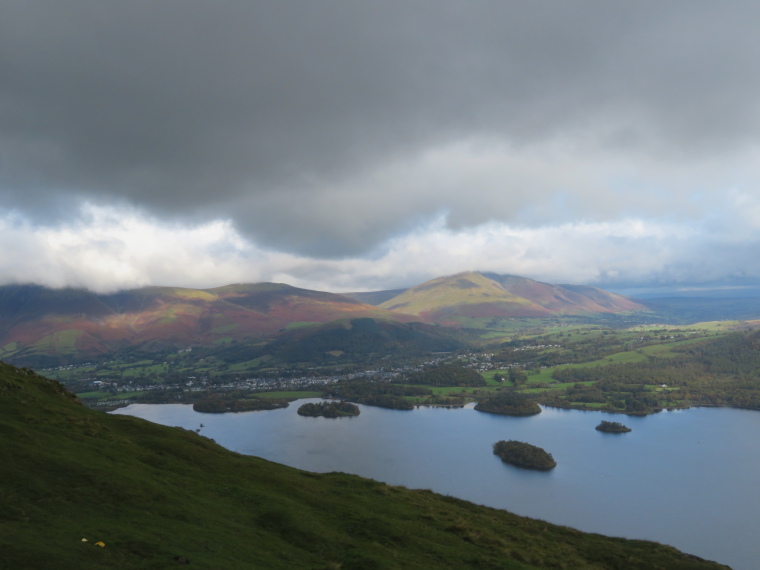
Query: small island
[612, 427]
[524, 455]
[508, 404]
[329, 410]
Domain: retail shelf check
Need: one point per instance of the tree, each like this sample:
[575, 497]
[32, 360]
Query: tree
[517, 376]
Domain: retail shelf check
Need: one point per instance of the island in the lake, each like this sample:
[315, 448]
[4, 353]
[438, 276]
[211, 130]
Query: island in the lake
[508, 404]
[329, 410]
[612, 427]
[524, 455]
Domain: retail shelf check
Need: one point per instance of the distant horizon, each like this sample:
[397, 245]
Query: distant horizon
[644, 293]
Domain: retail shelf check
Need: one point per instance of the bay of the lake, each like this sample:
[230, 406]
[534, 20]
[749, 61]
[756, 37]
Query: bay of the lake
[687, 478]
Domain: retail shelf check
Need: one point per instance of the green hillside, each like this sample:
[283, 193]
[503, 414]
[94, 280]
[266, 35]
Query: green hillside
[362, 339]
[449, 294]
[160, 497]
[47, 327]
[472, 295]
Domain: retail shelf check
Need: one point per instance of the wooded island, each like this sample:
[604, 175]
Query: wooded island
[612, 427]
[329, 410]
[216, 405]
[524, 455]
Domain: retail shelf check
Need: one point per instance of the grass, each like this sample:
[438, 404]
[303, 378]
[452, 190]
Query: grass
[449, 390]
[60, 342]
[144, 370]
[105, 396]
[93, 394]
[125, 370]
[542, 383]
[638, 355]
[543, 388]
[221, 329]
[248, 364]
[542, 377]
[122, 395]
[153, 494]
[489, 377]
[494, 335]
[300, 324]
[289, 394]
[717, 326]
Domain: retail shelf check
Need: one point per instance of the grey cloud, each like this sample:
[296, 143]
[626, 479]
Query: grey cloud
[279, 115]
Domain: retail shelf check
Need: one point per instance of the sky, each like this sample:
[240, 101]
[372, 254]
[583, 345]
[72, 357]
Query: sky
[353, 146]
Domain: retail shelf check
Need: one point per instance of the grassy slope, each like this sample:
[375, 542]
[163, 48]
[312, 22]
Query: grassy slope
[562, 299]
[41, 322]
[477, 295]
[153, 493]
[638, 355]
[461, 289]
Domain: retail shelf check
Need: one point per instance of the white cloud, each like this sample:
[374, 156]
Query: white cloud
[106, 249]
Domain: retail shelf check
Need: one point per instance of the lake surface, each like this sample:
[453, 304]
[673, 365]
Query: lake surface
[688, 478]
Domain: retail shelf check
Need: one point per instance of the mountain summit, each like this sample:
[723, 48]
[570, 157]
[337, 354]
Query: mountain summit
[488, 295]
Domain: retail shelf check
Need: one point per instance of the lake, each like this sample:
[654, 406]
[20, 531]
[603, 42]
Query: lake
[688, 478]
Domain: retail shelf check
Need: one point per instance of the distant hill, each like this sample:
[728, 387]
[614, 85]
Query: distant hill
[485, 295]
[85, 490]
[375, 297]
[40, 326]
[38, 322]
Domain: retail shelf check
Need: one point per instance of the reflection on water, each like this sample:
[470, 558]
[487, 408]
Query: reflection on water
[686, 478]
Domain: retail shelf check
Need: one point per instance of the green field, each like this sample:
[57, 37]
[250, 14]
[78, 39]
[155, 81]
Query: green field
[95, 394]
[289, 394]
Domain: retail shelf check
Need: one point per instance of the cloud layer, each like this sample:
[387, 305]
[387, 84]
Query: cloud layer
[113, 249]
[370, 145]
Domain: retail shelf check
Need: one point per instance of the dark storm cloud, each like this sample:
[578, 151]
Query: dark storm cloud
[287, 117]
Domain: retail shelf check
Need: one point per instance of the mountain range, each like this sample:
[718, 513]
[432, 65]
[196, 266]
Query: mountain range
[36, 321]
